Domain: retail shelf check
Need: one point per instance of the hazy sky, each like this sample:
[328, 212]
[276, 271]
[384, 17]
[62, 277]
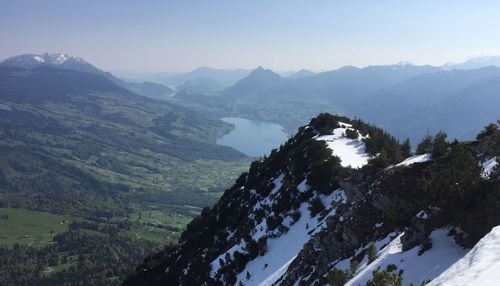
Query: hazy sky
[278, 34]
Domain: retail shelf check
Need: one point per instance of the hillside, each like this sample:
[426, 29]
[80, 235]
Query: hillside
[341, 202]
[105, 166]
[92, 124]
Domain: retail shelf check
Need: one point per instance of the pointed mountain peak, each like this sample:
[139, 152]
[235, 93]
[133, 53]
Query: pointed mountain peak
[261, 72]
[259, 79]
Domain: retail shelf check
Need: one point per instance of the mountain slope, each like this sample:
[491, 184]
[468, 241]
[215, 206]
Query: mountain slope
[80, 132]
[258, 80]
[479, 267]
[300, 216]
[67, 62]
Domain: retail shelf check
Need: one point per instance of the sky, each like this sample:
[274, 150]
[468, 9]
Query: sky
[163, 35]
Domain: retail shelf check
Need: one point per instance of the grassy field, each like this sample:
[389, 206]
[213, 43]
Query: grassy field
[155, 226]
[31, 228]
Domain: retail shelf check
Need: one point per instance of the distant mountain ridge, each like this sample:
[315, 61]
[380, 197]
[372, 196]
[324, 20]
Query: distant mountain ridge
[258, 80]
[225, 77]
[65, 61]
[59, 60]
[406, 99]
[459, 101]
[475, 63]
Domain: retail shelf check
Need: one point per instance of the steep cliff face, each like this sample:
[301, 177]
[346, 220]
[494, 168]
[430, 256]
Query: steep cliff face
[338, 203]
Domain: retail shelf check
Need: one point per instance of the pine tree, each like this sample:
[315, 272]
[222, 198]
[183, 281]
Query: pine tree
[439, 145]
[353, 267]
[351, 134]
[336, 277]
[371, 252]
[425, 146]
[406, 148]
[384, 278]
[488, 130]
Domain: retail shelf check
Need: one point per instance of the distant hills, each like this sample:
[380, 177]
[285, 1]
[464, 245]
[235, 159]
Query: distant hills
[301, 73]
[458, 101]
[406, 99]
[475, 63]
[225, 77]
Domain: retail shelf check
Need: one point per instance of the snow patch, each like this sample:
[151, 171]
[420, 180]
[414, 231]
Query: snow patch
[422, 215]
[282, 250]
[39, 59]
[488, 166]
[352, 152]
[61, 58]
[480, 266]
[415, 159]
[5, 107]
[302, 187]
[416, 268]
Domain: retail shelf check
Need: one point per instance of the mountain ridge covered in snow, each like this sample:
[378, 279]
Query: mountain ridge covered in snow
[307, 215]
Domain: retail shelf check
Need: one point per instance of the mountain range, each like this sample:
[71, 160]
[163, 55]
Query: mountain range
[475, 63]
[407, 100]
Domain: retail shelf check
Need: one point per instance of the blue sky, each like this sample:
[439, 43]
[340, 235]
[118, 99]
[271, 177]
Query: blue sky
[278, 34]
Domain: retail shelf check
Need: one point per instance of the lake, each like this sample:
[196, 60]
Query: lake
[253, 138]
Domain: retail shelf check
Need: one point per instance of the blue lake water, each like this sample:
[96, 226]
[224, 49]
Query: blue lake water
[253, 138]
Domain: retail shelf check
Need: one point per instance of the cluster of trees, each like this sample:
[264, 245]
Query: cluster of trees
[89, 206]
[437, 145]
[453, 189]
[75, 258]
[337, 277]
[385, 278]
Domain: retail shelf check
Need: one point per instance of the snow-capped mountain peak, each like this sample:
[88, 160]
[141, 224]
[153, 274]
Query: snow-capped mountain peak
[30, 61]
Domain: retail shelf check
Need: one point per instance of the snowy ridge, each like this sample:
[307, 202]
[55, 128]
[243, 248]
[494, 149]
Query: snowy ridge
[281, 249]
[297, 219]
[352, 152]
[416, 268]
[57, 60]
[415, 159]
[481, 266]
